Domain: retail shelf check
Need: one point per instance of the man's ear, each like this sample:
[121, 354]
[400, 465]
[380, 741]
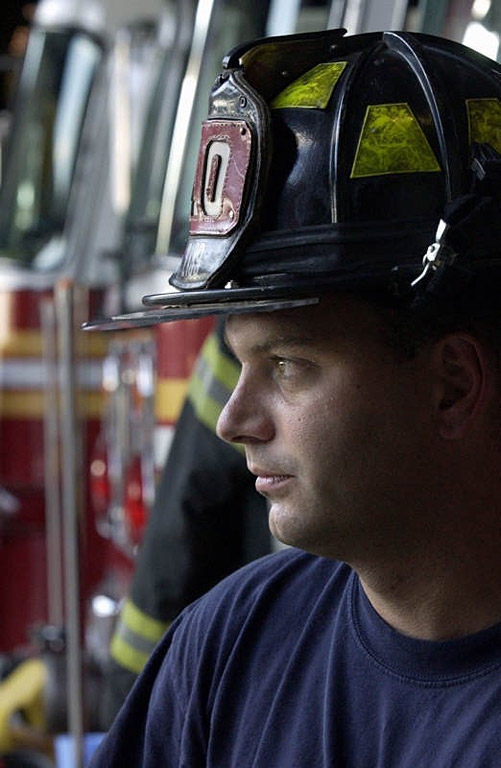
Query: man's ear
[461, 383]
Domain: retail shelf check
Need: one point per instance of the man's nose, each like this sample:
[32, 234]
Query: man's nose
[246, 417]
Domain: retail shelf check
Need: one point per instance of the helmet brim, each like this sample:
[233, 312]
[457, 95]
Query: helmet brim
[189, 305]
[259, 297]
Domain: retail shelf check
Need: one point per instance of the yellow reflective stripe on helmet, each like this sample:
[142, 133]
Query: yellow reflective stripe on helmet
[484, 121]
[392, 141]
[313, 89]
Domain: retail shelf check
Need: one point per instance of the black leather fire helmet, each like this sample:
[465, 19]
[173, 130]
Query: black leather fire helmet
[362, 163]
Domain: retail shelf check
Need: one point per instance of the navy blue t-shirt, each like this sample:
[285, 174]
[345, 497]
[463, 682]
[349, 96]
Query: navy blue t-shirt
[285, 664]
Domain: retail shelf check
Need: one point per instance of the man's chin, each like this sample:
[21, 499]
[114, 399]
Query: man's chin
[293, 529]
[277, 521]
[287, 525]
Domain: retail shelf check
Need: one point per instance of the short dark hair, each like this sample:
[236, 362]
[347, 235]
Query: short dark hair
[413, 321]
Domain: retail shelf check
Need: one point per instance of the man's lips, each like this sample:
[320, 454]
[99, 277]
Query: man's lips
[267, 481]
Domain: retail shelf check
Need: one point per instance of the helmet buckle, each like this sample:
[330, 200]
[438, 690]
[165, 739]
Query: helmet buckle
[438, 256]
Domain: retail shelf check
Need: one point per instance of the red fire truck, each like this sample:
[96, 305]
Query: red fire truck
[86, 421]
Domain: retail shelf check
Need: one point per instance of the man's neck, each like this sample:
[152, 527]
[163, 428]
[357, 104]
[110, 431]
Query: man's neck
[460, 596]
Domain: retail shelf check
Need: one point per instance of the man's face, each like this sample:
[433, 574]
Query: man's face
[334, 427]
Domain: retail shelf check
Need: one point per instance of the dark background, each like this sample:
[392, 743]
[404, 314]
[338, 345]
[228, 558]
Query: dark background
[12, 17]
[16, 16]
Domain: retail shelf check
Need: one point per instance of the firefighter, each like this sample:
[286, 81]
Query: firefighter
[206, 522]
[346, 217]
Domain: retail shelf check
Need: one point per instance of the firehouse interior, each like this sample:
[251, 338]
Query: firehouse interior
[100, 107]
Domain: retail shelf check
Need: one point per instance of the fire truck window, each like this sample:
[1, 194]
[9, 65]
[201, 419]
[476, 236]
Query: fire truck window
[53, 92]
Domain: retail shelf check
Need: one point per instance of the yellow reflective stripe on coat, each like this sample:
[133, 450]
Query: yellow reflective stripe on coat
[206, 408]
[392, 141]
[144, 625]
[135, 637]
[313, 89]
[223, 368]
[484, 121]
[213, 381]
[127, 656]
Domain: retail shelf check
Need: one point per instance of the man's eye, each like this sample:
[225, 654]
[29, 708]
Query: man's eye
[294, 373]
[286, 369]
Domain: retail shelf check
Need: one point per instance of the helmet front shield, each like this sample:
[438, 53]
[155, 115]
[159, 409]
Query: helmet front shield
[234, 158]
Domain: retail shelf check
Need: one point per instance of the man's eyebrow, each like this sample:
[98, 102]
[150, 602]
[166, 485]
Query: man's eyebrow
[283, 341]
[276, 340]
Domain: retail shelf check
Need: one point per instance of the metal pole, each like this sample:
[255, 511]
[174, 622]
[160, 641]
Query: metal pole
[282, 17]
[354, 16]
[121, 149]
[433, 16]
[383, 14]
[399, 14]
[336, 14]
[53, 527]
[70, 495]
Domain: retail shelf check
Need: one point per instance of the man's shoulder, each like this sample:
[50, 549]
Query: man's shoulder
[225, 640]
[271, 600]
[273, 585]
[282, 566]
[279, 570]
